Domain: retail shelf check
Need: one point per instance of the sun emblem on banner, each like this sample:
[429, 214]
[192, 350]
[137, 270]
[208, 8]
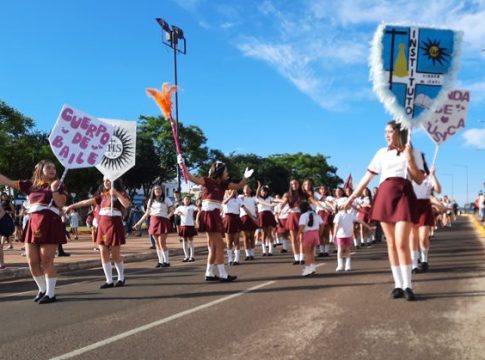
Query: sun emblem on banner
[435, 52]
[120, 150]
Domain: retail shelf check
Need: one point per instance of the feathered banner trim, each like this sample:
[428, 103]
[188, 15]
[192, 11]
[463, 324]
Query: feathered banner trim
[381, 84]
[163, 98]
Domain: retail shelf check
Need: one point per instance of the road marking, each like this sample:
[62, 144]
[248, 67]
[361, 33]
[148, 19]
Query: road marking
[156, 323]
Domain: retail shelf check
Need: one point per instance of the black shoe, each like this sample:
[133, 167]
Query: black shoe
[296, 262]
[264, 254]
[229, 278]
[235, 263]
[326, 254]
[270, 254]
[247, 258]
[106, 286]
[409, 295]
[120, 283]
[212, 278]
[416, 271]
[39, 296]
[185, 260]
[152, 247]
[191, 259]
[165, 265]
[302, 262]
[47, 300]
[320, 255]
[283, 251]
[251, 257]
[397, 293]
[424, 266]
[158, 265]
[64, 254]
[230, 263]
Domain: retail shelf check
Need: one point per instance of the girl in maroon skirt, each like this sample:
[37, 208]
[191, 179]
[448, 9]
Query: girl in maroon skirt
[421, 229]
[160, 209]
[266, 219]
[395, 203]
[249, 217]
[44, 230]
[232, 226]
[281, 216]
[364, 205]
[112, 201]
[210, 221]
[324, 209]
[187, 213]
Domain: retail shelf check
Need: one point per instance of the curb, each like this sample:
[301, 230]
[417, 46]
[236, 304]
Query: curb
[24, 272]
[479, 227]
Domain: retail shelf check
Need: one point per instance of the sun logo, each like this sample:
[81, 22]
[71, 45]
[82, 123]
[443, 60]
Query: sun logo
[119, 151]
[435, 52]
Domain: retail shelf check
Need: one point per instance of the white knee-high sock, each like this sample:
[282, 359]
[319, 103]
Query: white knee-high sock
[285, 244]
[296, 257]
[270, 250]
[40, 281]
[229, 255]
[160, 255]
[263, 247]
[191, 248]
[237, 255]
[108, 272]
[302, 257]
[326, 248]
[396, 274]
[424, 255]
[222, 271]
[406, 276]
[120, 269]
[209, 270]
[348, 263]
[165, 256]
[184, 248]
[51, 286]
[248, 252]
[414, 258]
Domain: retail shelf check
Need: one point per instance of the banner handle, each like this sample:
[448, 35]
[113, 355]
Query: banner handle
[435, 155]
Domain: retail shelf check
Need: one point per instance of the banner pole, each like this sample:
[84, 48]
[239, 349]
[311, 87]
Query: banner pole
[435, 155]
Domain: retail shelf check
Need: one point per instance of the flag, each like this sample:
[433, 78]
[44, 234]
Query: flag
[348, 182]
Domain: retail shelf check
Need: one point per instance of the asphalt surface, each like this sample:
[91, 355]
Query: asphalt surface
[270, 312]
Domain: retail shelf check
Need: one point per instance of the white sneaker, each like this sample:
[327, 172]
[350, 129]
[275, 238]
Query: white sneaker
[307, 271]
[339, 268]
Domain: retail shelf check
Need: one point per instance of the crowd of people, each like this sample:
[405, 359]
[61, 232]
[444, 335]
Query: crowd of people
[310, 221]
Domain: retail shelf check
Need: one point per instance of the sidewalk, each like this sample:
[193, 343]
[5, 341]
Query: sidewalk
[84, 257]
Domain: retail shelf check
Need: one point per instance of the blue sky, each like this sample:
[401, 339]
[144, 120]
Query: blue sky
[264, 77]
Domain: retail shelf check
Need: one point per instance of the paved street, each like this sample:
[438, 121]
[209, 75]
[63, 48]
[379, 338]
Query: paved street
[271, 312]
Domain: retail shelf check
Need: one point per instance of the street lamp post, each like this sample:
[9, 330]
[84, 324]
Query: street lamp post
[174, 38]
[466, 172]
[452, 185]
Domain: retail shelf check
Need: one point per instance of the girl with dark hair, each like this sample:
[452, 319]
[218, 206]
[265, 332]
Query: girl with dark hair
[324, 208]
[232, 226]
[210, 221]
[112, 201]
[395, 203]
[187, 213]
[248, 215]
[421, 229]
[364, 203]
[9, 209]
[44, 230]
[160, 209]
[266, 220]
[310, 228]
[294, 198]
[281, 215]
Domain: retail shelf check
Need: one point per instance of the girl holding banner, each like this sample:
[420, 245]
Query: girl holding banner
[112, 200]
[160, 209]
[210, 221]
[44, 230]
[395, 203]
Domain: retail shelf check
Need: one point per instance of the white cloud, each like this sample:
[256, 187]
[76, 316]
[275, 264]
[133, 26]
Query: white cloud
[475, 138]
[477, 91]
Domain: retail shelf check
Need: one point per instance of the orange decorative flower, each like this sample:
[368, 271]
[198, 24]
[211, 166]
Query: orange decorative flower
[163, 99]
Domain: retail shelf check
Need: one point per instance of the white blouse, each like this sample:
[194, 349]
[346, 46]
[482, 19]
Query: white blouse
[389, 164]
[160, 208]
[232, 206]
[263, 207]
[249, 203]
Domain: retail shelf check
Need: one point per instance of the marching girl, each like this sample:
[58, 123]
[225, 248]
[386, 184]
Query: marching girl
[44, 230]
[9, 209]
[187, 213]
[281, 215]
[248, 215]
[324, 208]
[294, 198]
[266, 219]
[160, 210]
[232, 226]
[357, 240]
[310, 228]
[210, 221]
[421, 229]
[395, 203]
[363, 211]
[112, 201]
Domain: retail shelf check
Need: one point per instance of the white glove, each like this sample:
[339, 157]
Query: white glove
[180, 160]
[248, 173]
